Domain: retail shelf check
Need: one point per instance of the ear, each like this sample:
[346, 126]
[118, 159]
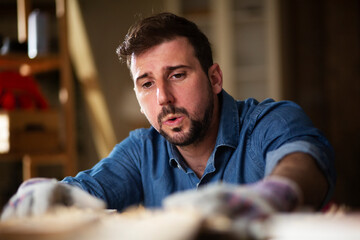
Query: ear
[216, 78]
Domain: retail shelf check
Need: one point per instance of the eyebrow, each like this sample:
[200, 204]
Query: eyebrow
[172, 68]
[141, 76]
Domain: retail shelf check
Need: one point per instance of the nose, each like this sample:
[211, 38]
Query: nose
[164, 94]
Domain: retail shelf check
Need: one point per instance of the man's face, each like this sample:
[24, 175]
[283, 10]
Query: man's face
[174, 93]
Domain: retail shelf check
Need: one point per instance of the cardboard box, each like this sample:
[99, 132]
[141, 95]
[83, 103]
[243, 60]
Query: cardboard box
[29, 131]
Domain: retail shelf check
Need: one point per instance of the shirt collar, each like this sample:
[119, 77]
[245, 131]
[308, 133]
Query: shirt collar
[229, 126]
[228, 133]
[176, 160]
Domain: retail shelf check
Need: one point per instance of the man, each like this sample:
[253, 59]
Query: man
[268, 155]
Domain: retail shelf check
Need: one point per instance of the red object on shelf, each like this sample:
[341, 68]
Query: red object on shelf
[20, 92]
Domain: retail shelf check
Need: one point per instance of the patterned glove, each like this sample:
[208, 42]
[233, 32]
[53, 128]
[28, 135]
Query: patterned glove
[39, 195]
[253, 201]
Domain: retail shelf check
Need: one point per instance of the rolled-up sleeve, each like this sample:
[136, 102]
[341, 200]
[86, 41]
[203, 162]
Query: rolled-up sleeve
[282, 128]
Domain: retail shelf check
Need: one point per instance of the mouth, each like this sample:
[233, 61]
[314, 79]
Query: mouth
[173, 120]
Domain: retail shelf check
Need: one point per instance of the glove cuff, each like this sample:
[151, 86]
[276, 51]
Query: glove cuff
[33, 181]
[283, 194]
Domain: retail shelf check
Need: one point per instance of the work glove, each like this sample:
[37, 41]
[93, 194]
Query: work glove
[40, 195]
[242, 204]
[273, 194]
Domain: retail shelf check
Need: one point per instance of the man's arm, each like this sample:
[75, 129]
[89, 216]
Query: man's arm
[303, 170]
[295, 181]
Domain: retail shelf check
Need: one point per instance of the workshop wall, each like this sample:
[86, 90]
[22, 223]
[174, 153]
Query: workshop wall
[321, 62]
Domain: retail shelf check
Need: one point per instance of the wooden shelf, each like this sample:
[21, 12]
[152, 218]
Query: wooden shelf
[60, 62]
[27, 66]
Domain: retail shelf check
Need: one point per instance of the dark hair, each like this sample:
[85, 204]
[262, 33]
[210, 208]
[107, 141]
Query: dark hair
[162, 27]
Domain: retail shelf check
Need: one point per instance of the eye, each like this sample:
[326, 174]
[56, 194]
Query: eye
[147, 85]
[178, 76]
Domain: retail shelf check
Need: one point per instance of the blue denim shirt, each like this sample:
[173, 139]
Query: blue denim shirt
[252, 137]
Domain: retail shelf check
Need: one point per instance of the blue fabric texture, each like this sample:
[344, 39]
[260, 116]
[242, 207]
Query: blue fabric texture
[144, 168]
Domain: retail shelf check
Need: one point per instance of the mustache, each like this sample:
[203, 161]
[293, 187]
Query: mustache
[170, 109]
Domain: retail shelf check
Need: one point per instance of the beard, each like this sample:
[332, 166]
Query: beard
[198, 127]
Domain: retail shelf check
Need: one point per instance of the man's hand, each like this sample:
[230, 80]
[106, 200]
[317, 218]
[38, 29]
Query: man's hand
[244, 205]
[251, 201]
[39, 195]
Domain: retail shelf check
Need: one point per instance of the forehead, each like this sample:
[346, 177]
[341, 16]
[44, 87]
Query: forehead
[177, 49]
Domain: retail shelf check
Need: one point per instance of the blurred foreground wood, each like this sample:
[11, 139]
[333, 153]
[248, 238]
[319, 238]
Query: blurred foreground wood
[69, 223]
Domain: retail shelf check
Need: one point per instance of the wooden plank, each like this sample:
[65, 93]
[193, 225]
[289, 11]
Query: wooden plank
[85, 68]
